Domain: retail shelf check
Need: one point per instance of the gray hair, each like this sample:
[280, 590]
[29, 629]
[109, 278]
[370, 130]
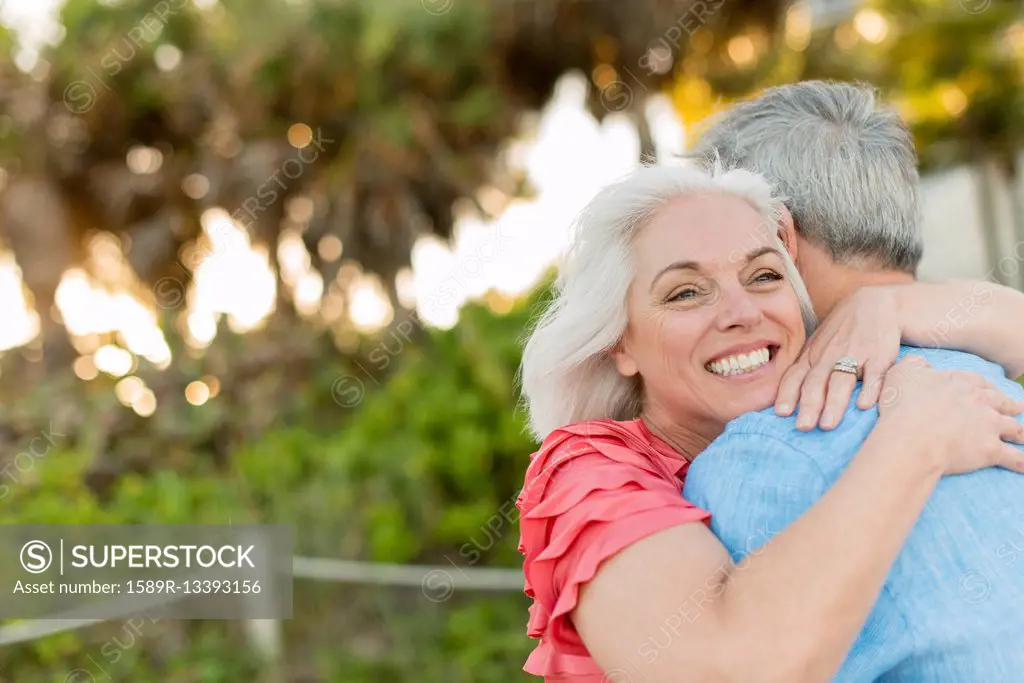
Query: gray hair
[846, 164]
[568, 374]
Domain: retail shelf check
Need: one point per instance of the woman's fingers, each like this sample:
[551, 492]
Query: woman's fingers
[973, 379]
[1013, 408]
[914, 361]
[823, 395]
[871, 388]
[1011, 458]
[840, 388]
[1011, 430]
[1003, 403]
[789, 388]
[812, 396]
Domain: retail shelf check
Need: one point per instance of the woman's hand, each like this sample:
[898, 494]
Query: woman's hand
[969, 423]
[867, 327]
[976, 317]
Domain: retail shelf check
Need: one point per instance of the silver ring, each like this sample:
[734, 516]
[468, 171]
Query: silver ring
[848, 365]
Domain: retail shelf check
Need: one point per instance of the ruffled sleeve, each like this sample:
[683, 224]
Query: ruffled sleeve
[591, 490]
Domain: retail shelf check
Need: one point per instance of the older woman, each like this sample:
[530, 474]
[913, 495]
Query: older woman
[679, 309]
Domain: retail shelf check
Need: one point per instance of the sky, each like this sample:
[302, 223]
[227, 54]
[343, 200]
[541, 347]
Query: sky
[565, 152]
[35, 22]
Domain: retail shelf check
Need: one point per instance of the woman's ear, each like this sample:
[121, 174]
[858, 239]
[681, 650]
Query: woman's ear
[787, 230]
[624, 362]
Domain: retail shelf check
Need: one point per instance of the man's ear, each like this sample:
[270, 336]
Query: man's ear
[787, 230]
[624, 362]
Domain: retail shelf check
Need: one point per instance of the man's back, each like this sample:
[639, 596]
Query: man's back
[953, 604]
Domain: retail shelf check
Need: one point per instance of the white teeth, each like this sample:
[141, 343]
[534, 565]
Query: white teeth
[740, 363]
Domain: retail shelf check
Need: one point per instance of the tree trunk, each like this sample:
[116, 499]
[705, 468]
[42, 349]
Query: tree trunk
[648, 153]
[1017, 219]
[986, 180]
[36, 228]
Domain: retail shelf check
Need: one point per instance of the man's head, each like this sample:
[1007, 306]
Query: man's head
[847, 171]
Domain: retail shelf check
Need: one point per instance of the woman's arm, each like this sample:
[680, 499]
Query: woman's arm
[792, 609]
[788, 613]
[982, 318]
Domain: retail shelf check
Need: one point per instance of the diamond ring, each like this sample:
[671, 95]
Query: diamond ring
[847, 365]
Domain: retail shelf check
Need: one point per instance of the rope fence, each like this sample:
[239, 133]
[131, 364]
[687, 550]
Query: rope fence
[265, 634]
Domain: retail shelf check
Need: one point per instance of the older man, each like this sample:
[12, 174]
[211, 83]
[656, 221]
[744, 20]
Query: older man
[952, 608]
[846, 168]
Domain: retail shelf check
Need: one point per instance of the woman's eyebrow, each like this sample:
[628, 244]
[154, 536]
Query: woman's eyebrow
[756, 253]
[693, 265]
[678, 265]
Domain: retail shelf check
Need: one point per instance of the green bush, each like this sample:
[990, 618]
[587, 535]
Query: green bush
[426, 469]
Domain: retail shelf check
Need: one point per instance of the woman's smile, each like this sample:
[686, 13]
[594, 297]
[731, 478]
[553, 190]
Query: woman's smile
[744, 363]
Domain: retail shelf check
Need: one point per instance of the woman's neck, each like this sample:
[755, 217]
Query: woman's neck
[688, 442]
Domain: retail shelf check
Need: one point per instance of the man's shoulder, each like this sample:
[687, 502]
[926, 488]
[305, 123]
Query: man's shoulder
[752, 441]
[827, 451]
[763, 423]
[754, 480]
[768, 425]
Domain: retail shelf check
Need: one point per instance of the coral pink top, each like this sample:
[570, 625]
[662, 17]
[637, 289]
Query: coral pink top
[591, 490]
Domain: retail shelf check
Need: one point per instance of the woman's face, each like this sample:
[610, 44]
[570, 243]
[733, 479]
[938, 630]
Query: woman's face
[713, 321]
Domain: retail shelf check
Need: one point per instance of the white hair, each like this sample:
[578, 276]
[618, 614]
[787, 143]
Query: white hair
[846, 164]
[568, 374]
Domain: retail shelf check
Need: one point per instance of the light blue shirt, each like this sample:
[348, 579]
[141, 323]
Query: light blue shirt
[952, 608]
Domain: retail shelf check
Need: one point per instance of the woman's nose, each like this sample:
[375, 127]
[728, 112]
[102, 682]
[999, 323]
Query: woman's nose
[738, 309]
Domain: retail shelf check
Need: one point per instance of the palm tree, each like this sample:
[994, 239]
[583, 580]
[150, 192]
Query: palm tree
[402, 108]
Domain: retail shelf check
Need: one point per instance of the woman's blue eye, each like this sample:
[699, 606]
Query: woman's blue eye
[767, 276]
[685, 294]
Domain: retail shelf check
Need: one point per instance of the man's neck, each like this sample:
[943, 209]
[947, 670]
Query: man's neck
[844, 281]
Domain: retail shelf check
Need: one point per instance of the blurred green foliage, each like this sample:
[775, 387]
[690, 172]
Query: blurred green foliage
[439, 489]
[426, 466]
